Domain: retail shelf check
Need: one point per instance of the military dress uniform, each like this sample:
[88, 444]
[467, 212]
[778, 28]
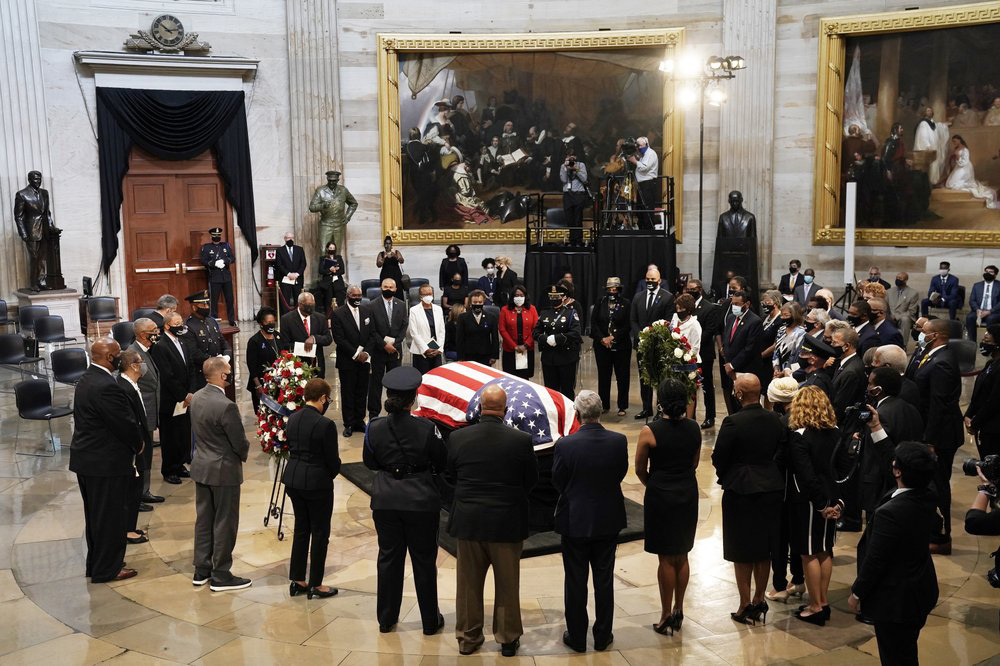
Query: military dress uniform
[204, 337]
[405, 452]
[220, 279]
[335, 206]
[558, 335]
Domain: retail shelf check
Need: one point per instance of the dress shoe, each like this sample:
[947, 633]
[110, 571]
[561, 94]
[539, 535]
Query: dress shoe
[864, 619]
[348, 431]
[172, 479]
[150, 498]
[125, 574]
[707, 423]
[294, 589]
[234, 583]
[643, 415]
[575, 647]
[465, 652]
[145, 507]
[602, 646]
[510, 649]
[142, 538]
[848, 525]
[184, 474]
[321, 594]
[386, 628]
[943, 548]
[440, 626]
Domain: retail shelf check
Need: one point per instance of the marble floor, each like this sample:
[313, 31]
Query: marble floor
[51, 615]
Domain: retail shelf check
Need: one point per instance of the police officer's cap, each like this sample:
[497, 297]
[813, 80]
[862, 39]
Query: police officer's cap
[215, 231]
[403, 378]
[332, 173]
[817, 347]
[198, 297]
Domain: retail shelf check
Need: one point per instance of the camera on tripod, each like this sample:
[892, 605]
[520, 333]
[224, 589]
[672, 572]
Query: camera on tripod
[629, 147]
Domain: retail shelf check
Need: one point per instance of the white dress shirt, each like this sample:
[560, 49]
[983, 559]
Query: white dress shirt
[648, 166]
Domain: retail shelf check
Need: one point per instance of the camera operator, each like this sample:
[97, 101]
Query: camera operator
[647, 172]
[982, 418]
[573, 175]
[978, 520]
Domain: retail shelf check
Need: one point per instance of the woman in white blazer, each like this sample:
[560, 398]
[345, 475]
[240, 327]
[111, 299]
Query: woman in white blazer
[426, 331]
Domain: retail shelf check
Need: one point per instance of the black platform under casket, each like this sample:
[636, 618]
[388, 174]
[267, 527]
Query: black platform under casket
[740, 256]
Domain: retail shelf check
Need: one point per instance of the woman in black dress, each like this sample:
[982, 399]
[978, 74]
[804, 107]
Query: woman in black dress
[665, 461]
[814, 498]
[744, 456]
[390, 260]
[313, 462]
[456, 293]
[982, 418]
[451, 264]
[263, 348]
[506, 281]
[332, 280]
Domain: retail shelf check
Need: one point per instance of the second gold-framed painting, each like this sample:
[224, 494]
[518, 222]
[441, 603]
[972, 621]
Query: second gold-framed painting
[469, 124]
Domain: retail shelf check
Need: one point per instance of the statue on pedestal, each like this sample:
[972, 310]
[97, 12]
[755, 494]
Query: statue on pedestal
[33, 217]
[736, 246]
[335, 205]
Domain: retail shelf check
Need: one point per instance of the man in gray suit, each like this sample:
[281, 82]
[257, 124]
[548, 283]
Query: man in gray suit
[903, 301]
[221, 448]
[146, 332]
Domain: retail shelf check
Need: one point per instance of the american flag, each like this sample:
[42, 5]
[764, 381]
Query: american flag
[451, 395]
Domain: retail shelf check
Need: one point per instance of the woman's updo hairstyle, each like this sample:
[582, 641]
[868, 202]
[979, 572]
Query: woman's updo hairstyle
[672, 395]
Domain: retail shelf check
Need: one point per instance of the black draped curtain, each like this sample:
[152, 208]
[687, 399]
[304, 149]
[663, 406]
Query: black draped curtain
[544, 269]
[172, 125]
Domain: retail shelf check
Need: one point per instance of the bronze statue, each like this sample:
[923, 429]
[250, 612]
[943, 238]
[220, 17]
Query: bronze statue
[37, 229]
[737, 222]
[736, 246]
[335, 206]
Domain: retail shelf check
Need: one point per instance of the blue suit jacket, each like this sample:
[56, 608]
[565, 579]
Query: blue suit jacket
[587, 470]
[948, 289]
[976, 299]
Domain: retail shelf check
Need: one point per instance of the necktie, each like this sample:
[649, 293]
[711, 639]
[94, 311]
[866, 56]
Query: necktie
[388, 309]
[923, 360]
[290, 256]
[986, 297]
[733, 331]
[649, 302]
[305, 322]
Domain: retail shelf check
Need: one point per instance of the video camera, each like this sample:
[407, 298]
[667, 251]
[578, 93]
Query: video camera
[858, 412]
[629, 147]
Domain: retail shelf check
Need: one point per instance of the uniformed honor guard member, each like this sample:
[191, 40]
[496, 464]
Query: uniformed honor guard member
[405, 452]
[558, 335]
[216, 258]
[813, 355]
[204, 337]
[610, 329]
[335, 205]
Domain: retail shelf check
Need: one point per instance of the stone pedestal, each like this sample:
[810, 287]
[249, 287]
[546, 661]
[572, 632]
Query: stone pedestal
[62, 302]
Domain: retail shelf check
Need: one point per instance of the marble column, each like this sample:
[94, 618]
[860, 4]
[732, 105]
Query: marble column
[314, 100]
[23, 130]
[746, 120]
[888, 86]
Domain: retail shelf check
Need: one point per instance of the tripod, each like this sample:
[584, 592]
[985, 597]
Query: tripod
[621, 210]
[850, 294]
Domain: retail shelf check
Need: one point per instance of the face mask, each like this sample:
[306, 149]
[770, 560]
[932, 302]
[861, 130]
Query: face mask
[427, 298]
[388, 293]
[987, 349]
[331, 253]
[736, 309]
[457, 283]
[491, 271]
[807, 279]
[269, 329]
[873, 394]
[922, 340]
[153, 337]
[452, 257]
[307, 309]
[943, 272]
[326, 406]
[683, 314]
[354, 302]
[652, 286]
[900, 284]
[178, 330]
[477, 308]
[555, 299]
[767, 308]
[793, 269]
[225, 380]
[519, 301]
[613, 297]
[116, 362]
[989, 277]
[854, 320]
[786, 321]
[202, 311]
[873, 278]
[694, 294]
[216, 239]
[811, 325]
[289, 243]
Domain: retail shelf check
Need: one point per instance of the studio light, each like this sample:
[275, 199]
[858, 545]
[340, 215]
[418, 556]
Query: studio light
[667, 66]
[735, 62]
[715, 95]
[690, 66]
[715, 63]
[687, 96]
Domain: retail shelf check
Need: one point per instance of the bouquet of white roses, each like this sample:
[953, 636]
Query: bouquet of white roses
[666, 352]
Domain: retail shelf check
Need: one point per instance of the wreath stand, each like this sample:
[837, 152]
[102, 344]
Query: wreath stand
[276, 506]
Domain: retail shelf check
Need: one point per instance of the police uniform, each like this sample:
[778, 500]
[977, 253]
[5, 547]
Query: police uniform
[611, 318]
[558, 335]
[405, 452]
[821, 378]
[204, 338]
[219, 279]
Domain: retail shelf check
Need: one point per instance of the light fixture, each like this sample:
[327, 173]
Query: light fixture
[667, 66]
[690, 66]
[735, 62]
[716, 63]
[687, 95]
[715, 95]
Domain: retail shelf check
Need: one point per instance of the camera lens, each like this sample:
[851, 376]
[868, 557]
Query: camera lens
[969, 467]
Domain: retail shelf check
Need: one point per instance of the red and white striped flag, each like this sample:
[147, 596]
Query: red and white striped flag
[450, 395]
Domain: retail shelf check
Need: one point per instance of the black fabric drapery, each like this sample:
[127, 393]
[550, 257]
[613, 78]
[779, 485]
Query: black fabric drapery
[627, 256]
[544, 269]
[172, 125]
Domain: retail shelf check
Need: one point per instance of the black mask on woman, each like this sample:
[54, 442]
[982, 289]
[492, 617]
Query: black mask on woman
[987, 349]
[787, 321]
[767, 308]
[289, 243]
[477, 308]
[326, 406]
[456, 282]
[269, 328]
[331, 253]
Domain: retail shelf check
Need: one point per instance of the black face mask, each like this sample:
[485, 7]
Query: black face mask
[477, 308]
[694, 294]
[767, 308]
[178, 330]
[793, 269]
[153, 338]
[269, 328]
[326, 406]
[202, 311]
[854, 320]
[355, 302]
[289, 243]
[683, 314]
[900, 283]
[872, 395]
[555, 299]
[987, 349]
[873, 278]
[388, 293]
[116, 362]
[216, 239]
[225, 379]
[652, 286]
[307, 309]
[989, 277]
[613, 297]
[787, 321]
[457, 283]
[331, 252]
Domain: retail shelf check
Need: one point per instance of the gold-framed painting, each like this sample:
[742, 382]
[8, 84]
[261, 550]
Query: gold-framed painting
[471, 123]
[908, 107]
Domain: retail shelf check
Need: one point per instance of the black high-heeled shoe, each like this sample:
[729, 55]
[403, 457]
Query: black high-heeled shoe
[676, 619]
[760, 612]
[745, 616]
[321, 594]
[296, 589]
[665, 628]
[819, 619]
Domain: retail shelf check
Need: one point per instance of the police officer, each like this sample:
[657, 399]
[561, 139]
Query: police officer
[813, 356]
[203, 336]
[610, 327]
[405, 452]
[558, 335]
[216, 257]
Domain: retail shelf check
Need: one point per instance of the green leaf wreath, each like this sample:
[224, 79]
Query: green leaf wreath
[665, 352]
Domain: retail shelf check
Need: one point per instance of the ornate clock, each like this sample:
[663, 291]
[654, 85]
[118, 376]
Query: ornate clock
[167, 35]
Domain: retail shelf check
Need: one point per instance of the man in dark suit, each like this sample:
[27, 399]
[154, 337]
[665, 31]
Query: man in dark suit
[807, 289]
[859, 316]
[476, 332]
[204, 336]
[216, 258]
[896, 585]
[655, 304]
[390, 320]
[221, 448]
[894, 357]
[984, 302]
[610, 328]
[849, 379]
[493, 468]
[943, 292]
[875, 275]
[885, 331]
[289, 271]
[165, 306]
[146, 334]
[130, 368]
[940, 383]
[790, 280]
[173, 361]
[710, 317]
[106, 439]
[304, 325]
[741, 331]
[587, 469]
[351, 326]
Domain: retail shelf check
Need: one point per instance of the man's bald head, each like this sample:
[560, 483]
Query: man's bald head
[494, 401]
[215, 369]
[652, 275]
[940, 329]
[104, 351]
[747, 388]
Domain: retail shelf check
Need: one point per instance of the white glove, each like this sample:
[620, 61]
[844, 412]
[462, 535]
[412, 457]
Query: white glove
[220, 264]
[551, 340]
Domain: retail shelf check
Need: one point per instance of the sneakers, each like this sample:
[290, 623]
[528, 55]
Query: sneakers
[199, 580]
[234, 583]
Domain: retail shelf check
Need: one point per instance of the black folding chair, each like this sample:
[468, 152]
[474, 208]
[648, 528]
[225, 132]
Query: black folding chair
[34, 403]
[12, 353]
[139, 313]
[5, 319]
[28, 315]
[124, 333]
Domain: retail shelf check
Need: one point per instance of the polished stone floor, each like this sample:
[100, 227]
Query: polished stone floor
[50, 614]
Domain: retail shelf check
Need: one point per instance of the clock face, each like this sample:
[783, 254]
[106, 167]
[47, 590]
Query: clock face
[167, 30]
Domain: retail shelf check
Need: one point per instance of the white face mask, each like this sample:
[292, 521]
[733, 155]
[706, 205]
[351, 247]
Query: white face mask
[943, 272]
[491, 271]
[737, 310]
[519, 301]
[427, 298]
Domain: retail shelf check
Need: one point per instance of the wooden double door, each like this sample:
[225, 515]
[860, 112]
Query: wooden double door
[167, 210]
